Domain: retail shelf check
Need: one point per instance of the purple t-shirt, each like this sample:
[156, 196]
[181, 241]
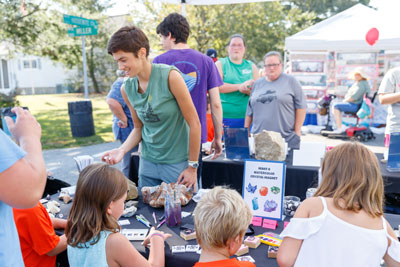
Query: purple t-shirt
[200, 75]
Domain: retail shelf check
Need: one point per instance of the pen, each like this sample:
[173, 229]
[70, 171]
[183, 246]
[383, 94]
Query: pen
[161, 223]
[140, 219]
[144, 218]
[154, 217]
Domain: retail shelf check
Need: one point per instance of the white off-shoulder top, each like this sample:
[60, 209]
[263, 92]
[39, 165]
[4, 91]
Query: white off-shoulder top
[331, 241]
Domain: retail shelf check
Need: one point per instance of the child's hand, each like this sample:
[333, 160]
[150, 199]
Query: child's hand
[156, 234]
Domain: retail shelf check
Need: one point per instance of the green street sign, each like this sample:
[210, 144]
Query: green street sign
[82, 31]
[79, 21]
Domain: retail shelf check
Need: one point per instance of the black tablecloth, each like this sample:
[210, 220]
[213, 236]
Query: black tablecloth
[188, 259]
[222, 171]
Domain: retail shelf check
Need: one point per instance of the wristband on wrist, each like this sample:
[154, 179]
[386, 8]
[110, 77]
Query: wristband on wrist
[157, 234]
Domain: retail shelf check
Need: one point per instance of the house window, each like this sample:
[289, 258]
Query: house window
[27, 64]
[31, 63]
[5, 73]
[4, 79]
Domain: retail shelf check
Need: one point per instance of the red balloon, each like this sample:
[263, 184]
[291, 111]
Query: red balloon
[372, 36]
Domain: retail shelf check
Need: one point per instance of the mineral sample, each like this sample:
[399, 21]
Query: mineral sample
[269, 145]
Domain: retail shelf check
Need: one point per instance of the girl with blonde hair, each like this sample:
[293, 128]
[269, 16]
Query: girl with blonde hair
[343, 224]
[92, 229]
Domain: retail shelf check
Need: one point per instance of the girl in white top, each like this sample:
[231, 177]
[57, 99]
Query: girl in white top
[343, 225]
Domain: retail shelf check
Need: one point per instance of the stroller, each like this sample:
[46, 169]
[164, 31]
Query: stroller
[324, 104]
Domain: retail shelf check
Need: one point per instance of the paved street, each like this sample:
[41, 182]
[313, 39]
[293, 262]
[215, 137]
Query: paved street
[62, 164]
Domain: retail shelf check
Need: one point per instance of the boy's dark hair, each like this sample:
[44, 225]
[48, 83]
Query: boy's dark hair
[128, 39]
[175, 24]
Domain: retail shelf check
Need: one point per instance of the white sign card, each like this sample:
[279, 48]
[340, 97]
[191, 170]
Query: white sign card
[264, 187]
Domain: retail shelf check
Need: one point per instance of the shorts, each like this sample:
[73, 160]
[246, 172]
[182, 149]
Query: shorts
[347, 107]
[152, 174]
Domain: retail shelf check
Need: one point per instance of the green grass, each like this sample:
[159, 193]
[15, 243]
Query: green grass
[51, 111]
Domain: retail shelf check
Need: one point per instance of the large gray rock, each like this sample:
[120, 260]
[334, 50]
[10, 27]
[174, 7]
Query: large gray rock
[269, 145]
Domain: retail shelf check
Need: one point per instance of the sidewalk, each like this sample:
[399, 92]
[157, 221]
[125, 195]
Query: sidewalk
[62, 164]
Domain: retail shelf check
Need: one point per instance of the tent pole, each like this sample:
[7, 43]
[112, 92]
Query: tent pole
[285, 59]
[183, 8]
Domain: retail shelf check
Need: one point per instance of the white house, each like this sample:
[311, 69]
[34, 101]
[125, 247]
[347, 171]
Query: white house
[29, 74]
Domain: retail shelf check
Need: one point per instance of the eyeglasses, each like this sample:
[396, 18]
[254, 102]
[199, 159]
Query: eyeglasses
[271, 65]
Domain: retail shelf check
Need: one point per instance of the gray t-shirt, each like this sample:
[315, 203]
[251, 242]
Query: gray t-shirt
[357, 91]
[391, 84]
[273, 106]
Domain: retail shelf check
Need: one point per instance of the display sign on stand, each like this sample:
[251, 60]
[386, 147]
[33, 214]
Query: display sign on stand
[264, 187]
[393, 163]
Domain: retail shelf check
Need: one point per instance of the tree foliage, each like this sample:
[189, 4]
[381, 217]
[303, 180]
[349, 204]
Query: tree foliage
[19, 22]
[264, 25]
[325, 8]
[38, 28]
[41, 32]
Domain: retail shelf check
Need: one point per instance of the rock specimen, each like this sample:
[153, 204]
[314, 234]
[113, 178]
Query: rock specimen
[269, 145]
[132, 190]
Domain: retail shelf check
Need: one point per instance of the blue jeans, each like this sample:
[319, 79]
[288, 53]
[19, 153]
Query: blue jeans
[347, 107]
[152, 174]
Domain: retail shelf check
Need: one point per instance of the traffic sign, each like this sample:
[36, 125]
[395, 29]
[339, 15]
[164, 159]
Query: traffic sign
[82, 31]
[79, 21]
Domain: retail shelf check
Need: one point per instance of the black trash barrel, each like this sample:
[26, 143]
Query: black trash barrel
[81, 118]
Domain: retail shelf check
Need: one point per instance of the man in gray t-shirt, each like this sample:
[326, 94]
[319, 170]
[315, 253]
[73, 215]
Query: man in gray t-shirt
[389, 94]
[277, 102]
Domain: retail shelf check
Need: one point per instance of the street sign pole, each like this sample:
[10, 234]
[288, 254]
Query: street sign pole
[85, 27]
[84, 68]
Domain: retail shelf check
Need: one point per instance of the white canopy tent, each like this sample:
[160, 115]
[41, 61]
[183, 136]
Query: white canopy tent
[346, 31]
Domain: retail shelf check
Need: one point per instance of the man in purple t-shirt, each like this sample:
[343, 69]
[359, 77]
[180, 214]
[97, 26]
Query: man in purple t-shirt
[199, 72]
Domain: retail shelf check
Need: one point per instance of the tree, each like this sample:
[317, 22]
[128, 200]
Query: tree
[325, 8]
[19, 22]
[264, 25]
[39, 30]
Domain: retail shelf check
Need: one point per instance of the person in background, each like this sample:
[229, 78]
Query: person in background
[210, 125]
[122, 119]
[353, 98]
[22, 179]
[343, 224]
[200, 75]
[93, 233]
[39, 243]
[212, 53]
[389, 94]
[221, 207]
[165, 119]
[277, 102]
[238, 75]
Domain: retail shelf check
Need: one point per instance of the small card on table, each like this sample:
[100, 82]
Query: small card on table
[270, 224]
[257, 221]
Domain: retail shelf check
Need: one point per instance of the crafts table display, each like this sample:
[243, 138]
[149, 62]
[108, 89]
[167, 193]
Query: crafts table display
[181, 249]
[260, 244]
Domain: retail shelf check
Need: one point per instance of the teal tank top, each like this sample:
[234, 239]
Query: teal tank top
[89, 255]
[165, 133]
[234, 104]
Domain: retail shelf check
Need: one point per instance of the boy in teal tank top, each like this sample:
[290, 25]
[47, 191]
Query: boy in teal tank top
[165, 119]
